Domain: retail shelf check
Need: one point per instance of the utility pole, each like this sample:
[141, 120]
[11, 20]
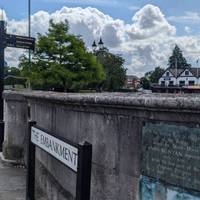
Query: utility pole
[176, 69]
[197, 71]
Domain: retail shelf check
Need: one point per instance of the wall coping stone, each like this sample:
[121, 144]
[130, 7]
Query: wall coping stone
[13, 96]
[139, 99]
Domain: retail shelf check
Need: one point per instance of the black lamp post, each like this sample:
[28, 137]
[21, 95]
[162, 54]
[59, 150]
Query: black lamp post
[101, 44]
[29, 35]
[29, 18]
[94, 46]
[3, 46]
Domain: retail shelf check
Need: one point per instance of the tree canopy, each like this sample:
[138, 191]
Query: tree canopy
[155, 74]
[61, 61]
[114, 70]
[177, 59]
[144, 81]
[151, 77]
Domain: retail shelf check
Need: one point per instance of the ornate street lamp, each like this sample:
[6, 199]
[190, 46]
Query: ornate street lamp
[94, 46]
[101, 44]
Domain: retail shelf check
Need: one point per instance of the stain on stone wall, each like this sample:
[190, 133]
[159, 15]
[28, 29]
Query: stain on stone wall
[151, 189]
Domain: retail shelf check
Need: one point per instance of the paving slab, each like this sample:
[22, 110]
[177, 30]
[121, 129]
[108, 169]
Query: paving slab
[12, 181]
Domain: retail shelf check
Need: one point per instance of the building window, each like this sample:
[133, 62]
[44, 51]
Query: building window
[163, 83]
[167, 73]
[191, 82]
[187, 73]
[171, 83]
[181, 83]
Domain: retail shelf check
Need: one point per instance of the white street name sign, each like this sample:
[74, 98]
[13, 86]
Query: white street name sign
[63, 151]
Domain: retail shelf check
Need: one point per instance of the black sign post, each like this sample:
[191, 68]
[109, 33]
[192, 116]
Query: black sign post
[8, 40]
[84, 172]
[30, 178]
[76, 157]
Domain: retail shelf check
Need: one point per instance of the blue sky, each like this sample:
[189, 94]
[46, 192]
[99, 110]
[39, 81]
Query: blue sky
[115, 8]
[144, 32]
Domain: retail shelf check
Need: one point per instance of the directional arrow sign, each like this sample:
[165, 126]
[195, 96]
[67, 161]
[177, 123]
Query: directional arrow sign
[20, 41]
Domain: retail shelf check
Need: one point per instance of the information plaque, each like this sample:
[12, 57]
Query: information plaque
[171, 153]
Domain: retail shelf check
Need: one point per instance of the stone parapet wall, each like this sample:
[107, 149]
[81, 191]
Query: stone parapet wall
[147, 101]
[112, 123]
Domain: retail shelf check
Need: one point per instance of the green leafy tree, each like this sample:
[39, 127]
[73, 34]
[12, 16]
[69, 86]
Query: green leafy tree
[114, 70]
[153, 76]
[144, 81]
[177, 58]
[61, 61]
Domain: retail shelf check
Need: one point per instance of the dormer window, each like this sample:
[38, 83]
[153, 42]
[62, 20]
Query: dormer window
[186, 73]
[167, 73]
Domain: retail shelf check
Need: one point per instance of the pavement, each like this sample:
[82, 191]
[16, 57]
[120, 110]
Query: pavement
[12, 181]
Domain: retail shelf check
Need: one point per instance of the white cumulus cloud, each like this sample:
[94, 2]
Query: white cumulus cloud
[149, 22]
[145, 43]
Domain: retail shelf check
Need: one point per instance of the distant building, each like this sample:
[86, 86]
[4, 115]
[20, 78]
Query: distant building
[180, 77]
[179, 80]
[132, 82]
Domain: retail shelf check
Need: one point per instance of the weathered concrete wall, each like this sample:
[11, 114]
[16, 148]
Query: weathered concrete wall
[113, 124]
[15, 117]
[111, 135]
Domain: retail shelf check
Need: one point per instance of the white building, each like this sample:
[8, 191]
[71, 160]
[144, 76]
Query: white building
[180, 77]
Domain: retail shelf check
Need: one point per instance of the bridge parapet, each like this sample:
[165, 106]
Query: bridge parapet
[114, 123]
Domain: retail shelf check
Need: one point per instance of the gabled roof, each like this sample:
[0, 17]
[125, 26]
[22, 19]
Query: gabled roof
[195, 71]
[177, 72]
[174, 72]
